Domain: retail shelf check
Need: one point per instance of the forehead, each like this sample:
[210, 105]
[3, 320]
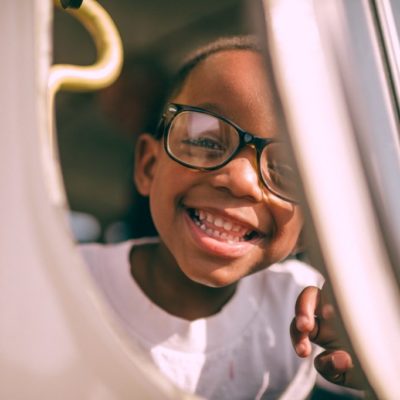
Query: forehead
[233, 83]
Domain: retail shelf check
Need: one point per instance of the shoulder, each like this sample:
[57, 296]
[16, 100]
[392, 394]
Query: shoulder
[99, 254]
[273, 291]
[296, 272]
[281, 284]
[95, 253]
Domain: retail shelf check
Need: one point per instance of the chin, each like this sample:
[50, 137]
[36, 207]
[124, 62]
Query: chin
[217, 279]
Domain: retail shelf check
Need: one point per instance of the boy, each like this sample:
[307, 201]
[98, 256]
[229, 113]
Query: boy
[200, 300]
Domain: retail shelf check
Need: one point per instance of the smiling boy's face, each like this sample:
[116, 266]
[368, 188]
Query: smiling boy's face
[230, 202]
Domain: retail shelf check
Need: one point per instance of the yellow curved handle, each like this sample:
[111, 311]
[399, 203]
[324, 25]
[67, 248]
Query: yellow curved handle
[109, 48]
[87, 78]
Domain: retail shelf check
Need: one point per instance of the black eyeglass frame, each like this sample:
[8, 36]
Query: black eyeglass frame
[245, 139]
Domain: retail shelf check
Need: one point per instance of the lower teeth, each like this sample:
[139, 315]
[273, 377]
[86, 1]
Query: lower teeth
[220, 235]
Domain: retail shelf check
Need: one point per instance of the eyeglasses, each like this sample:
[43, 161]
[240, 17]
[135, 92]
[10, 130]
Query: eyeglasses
[203, 140]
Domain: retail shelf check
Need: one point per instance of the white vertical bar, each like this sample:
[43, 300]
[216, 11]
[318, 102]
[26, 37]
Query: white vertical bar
[323, 141]
[57, 337]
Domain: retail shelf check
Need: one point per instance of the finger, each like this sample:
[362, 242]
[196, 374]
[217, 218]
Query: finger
[324, 330]
[324, 333]
[300, 341]
[305, 310]
[304, 325]
[335, 366]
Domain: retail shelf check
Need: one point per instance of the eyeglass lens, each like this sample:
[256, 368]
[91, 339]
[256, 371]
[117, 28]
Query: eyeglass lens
[201, 140]
[204, 141]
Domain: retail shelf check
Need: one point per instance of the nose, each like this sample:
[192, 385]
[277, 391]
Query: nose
[240, 176]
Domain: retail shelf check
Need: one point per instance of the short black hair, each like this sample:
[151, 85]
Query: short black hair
[248, 42]
[245, 42]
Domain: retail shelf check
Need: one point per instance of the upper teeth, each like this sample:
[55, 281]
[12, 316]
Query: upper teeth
[220, 222]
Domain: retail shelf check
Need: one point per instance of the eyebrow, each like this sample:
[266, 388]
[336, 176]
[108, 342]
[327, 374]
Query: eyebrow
[211, 107]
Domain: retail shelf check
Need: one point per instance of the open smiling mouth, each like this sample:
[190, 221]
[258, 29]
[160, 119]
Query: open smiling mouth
[222, 229]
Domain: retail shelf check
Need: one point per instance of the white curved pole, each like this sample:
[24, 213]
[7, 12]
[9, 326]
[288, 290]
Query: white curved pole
[322, 135]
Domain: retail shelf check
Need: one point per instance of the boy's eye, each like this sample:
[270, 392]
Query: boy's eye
[282, 175]
[202, 149]
[206, 143]
[282, 170]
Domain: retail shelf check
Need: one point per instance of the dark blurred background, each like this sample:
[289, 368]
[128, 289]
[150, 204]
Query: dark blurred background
[97, 131]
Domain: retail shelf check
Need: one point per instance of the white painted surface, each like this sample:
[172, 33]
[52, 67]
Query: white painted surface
[57, 340]
[322, 134]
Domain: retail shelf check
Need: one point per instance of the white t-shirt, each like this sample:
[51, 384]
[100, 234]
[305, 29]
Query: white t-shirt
[243, 352]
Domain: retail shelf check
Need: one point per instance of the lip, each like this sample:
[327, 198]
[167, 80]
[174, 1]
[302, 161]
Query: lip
[217, 247]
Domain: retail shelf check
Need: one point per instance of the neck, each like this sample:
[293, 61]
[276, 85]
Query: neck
[160, 278]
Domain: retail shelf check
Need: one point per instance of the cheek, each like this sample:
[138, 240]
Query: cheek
[296, 222]
[288, 224]
[160, 198]
[290, 233]
[287, 216]
[167, 191]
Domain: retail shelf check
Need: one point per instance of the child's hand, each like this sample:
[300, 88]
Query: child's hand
[314, 322]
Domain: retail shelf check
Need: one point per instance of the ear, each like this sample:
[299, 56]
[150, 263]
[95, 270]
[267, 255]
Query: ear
[146, 156]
